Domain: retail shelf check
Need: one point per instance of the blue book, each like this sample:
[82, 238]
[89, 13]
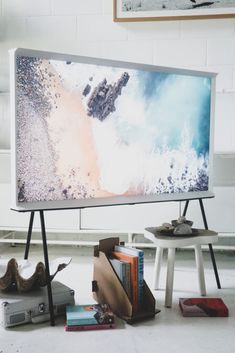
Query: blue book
[91, 314]
[123, 271]
[140, 254]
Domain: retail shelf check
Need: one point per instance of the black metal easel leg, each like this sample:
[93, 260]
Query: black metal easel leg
[26, 253]
[210, 246]
[49, 291]
[185, 208]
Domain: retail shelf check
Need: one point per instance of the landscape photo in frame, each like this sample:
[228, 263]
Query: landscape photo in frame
[150, 10]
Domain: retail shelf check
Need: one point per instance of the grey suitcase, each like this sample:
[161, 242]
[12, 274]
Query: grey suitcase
[18, 308]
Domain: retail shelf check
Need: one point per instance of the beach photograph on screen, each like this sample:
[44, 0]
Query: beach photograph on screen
[92, 131]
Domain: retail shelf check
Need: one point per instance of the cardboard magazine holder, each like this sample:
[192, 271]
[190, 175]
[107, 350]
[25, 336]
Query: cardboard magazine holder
[107, 287]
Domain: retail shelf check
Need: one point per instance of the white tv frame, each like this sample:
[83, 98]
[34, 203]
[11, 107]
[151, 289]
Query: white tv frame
[109, 201]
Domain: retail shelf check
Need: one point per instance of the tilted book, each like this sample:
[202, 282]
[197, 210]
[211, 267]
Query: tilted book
[133, 260]
[140, 254]
[123, 271]
[207, 307]
[91, 314]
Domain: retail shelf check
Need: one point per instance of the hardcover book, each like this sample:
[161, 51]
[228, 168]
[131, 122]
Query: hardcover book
[123, 271]
[88, 327]
[91, 314]
[207, 307]
[134, 275]
[140, 254]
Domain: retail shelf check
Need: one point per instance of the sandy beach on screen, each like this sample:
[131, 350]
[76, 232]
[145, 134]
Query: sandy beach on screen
[70, 131]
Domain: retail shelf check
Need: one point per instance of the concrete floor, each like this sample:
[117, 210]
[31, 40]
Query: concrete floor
[169, 332]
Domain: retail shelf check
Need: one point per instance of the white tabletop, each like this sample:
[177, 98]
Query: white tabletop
[203, 236]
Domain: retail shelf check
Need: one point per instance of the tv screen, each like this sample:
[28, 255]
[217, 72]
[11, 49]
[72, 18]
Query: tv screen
[94, 132]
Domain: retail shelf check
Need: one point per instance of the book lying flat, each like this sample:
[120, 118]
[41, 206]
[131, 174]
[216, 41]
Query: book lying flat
[88, 327]
[207, 307]
[90, 314]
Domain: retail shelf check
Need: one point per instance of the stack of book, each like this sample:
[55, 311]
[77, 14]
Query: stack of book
[128, 264]
[89, 317]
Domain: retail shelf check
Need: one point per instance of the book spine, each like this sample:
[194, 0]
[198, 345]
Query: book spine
[118, 268]
[140, 278]
[127, 279]
[88, 327]
[134, 275]
[122, 269]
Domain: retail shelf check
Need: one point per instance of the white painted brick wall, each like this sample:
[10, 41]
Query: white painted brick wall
[76, 7]
[233, 79]
[107, 7]
[5, 126]
[40, 28]
[224, 78]
[153, 30]
[216, 28]
[13, 28]
[188, 53]
[101, 28]
[225, 123]
[86, 27]
[134, 51]
[221, 51]
[26, 8]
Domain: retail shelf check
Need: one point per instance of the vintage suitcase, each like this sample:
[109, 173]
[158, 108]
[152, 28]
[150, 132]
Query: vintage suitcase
[18, 308]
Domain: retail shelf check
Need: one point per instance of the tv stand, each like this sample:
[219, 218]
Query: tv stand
[45, 252]
[210, 245]
[46, 259]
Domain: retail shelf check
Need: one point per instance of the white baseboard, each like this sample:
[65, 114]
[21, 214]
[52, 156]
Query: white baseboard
[88, 237]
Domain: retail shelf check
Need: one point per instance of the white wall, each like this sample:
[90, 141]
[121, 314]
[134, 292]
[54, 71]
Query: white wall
[85, 27]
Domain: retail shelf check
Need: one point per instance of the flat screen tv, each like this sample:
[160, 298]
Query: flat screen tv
[94, 132]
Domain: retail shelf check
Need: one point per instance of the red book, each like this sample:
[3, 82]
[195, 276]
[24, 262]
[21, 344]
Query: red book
[207, 307]
[133, 260]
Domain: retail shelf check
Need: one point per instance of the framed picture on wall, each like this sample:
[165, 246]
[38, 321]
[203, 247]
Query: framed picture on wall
[152, 10]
